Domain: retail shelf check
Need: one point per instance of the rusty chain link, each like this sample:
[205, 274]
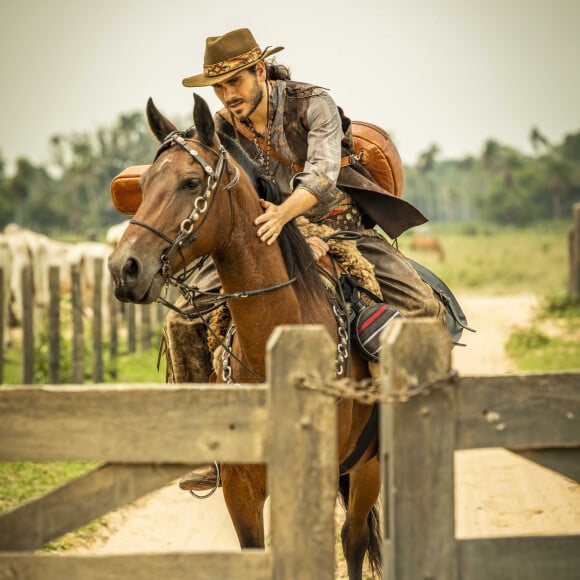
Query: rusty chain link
[368, 391]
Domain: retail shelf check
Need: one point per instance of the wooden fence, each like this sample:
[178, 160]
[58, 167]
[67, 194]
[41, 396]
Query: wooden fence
[95, 314]
[574, 252]
[148, 434]
[537, 415]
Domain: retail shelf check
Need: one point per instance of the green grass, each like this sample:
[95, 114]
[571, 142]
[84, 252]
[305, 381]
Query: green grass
[552, 342]
[24, 481]
[497, 260]
[135, 367]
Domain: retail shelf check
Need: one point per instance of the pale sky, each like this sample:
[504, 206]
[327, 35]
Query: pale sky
[450, 72]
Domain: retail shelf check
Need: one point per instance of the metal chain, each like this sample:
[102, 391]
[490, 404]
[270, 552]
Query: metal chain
[342, 347]
[369, 391]
[225, 357]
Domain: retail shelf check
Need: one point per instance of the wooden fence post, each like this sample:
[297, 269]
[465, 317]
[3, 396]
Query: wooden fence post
[78, 350]
[113, 332]
[302, 473]
[130, 314]
[97, 328]
[574, 252]
[3, 323]
[53, 321]
[27, 326]
[417, 444]
[146, 327]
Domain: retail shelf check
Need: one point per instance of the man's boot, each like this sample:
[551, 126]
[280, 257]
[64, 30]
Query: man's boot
[204, 477]
[189, 361]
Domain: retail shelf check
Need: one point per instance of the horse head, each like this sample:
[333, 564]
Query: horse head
[185, 189]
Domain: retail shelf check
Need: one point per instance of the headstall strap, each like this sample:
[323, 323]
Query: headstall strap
[186, 234]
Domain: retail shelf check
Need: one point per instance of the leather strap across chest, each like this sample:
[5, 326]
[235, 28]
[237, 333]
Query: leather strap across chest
[267, 148]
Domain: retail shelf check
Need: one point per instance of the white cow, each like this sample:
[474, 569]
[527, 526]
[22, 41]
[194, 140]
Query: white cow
[6, 266]
[115, 232]
[39, 252]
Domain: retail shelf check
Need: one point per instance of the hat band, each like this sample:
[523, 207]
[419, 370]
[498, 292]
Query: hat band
[220, 68]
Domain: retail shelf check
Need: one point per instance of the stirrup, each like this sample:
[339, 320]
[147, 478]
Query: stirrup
[211, 491]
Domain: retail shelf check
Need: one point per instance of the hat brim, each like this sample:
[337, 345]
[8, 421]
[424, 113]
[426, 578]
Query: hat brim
[204, 81]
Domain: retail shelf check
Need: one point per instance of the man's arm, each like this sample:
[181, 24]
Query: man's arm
[316, 184]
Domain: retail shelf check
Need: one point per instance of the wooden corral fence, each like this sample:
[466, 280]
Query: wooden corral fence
[574, 252]
[536, 415]
[110, 322]
[148, 433]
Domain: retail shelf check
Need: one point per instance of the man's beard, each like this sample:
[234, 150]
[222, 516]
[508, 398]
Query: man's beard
[254, 100]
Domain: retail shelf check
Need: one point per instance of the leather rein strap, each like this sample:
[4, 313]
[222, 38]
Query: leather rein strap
[267, 148]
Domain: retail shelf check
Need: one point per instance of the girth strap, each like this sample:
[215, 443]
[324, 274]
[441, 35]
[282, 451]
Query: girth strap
[363, 442]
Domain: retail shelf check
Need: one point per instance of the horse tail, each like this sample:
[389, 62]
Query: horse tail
[374, 525]
[375, 541]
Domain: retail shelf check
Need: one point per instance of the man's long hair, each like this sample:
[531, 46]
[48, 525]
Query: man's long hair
[274, 71]
[277, 72]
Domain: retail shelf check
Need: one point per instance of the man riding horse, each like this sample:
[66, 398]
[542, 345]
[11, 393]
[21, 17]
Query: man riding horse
[300, 137]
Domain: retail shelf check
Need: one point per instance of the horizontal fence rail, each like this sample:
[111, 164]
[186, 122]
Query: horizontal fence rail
[150, 434]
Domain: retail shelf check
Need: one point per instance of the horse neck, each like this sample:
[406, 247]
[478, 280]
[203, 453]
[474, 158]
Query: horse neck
[245, 263]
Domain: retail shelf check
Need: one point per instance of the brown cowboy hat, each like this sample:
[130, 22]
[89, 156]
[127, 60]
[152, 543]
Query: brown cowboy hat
[227, 55]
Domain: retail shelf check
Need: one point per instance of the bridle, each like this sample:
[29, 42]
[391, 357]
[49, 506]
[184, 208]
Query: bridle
[202, 206]
[202, 203]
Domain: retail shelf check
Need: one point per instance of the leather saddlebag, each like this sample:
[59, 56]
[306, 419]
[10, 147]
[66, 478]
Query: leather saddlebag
[379, 156]
[126, 191]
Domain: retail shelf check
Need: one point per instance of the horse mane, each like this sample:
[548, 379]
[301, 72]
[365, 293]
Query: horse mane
[297, 254]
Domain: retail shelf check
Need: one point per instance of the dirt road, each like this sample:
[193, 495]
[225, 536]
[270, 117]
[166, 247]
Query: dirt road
[497, 493]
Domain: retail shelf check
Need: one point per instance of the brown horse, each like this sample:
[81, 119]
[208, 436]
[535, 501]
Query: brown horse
[199, 199]
[422, 243]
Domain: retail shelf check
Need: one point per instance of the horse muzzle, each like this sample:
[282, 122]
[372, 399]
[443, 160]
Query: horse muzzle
[132, 281]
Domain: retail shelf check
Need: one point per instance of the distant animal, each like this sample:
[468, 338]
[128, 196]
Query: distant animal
[115, 232]
[423, 243]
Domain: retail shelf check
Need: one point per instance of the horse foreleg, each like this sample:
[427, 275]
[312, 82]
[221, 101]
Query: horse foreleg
[244, 488]
[360, 533]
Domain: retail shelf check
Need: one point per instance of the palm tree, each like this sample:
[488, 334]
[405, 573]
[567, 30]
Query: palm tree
[425, 166]
[538, 140]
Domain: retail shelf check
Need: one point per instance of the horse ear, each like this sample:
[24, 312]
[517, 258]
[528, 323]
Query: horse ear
[203, 121]
[160, 126]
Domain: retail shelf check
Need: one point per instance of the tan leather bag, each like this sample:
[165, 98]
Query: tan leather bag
[379, 156]
[126, 191]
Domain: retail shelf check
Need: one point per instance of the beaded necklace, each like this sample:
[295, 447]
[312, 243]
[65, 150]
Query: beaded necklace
[263, 155]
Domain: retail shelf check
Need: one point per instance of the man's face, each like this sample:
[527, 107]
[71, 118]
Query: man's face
[241, 93]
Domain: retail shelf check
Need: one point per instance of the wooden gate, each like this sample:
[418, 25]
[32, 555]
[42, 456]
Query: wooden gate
[537, 415]
[149, 434]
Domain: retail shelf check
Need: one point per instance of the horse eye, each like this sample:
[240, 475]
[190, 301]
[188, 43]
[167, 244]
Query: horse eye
[192, 184]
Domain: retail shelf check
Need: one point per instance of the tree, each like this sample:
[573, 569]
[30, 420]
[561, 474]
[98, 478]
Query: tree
[6, 202]
[538, 141]
[425, 166]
